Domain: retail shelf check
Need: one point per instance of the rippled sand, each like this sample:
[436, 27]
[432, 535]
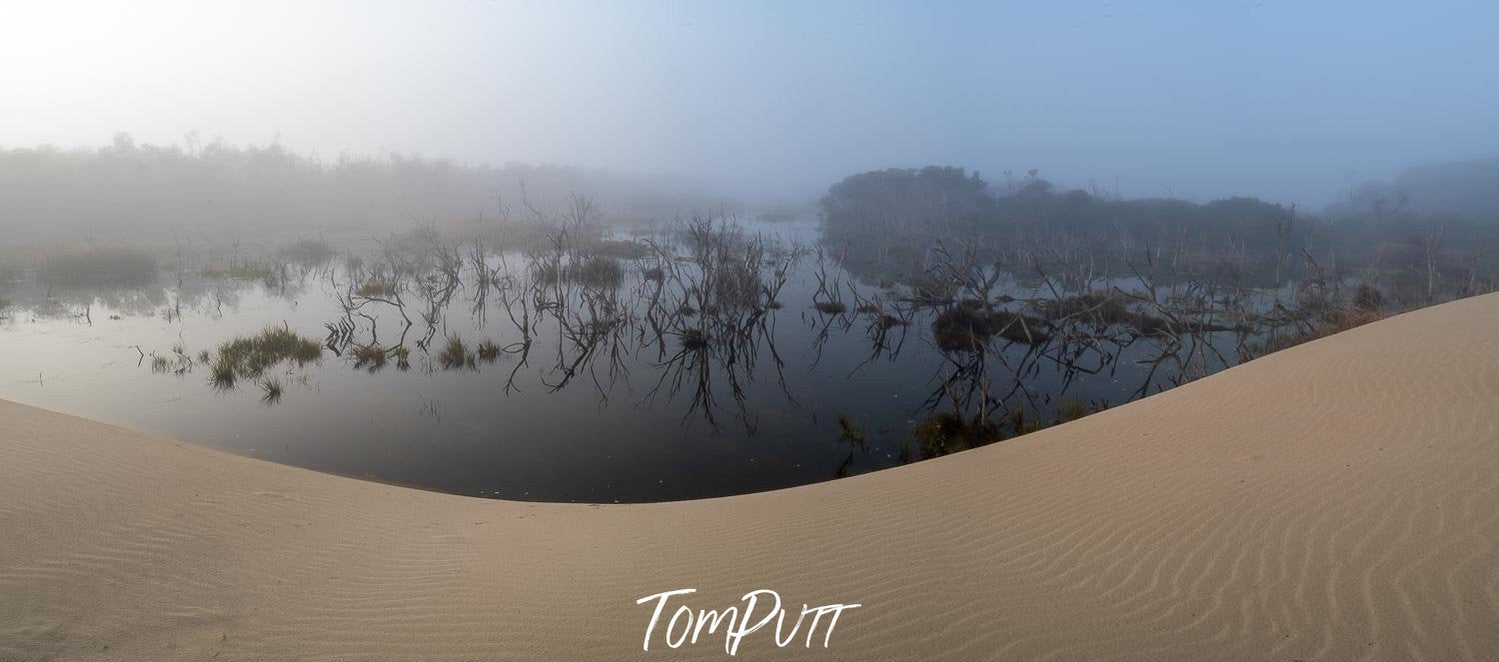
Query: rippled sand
[1338, 500]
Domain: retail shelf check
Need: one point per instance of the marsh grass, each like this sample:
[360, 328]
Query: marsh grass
[1101, 307]
[969, 327]
[371, 357]
[248, 357]
[455, 355]
[243, 270]
[1071, 410]
[271, 391]
[592, 271]
[100, 266]
[487, 351]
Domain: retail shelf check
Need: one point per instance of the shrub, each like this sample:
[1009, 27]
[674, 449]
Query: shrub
[968, 327]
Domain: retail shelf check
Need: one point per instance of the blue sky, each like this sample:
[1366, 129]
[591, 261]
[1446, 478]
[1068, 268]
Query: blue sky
[1286, 100]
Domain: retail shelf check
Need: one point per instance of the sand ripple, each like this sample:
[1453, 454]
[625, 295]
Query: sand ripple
[1339, 500]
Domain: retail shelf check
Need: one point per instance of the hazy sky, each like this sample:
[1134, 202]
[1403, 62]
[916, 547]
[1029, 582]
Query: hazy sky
[1280, 99]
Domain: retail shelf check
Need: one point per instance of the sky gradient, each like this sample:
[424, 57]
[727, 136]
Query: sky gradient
[1285, 100]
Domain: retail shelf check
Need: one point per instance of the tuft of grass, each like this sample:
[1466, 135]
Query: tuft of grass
[487, 351]
[248, 357]
[271, 391]
[368, 356]
[455, 355]
[403, 358]
[830, 307]
[597, 271]
[221, 375]
[1022, 424]
[1071, 410]
[594, 271]
[106, 266]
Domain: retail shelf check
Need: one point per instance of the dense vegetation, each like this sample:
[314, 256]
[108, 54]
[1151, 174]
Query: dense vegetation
[893, 224]
[130, 191]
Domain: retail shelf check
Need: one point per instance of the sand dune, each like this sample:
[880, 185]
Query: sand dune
[1338, 500]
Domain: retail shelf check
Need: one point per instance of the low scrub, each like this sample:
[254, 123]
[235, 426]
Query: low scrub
[969, 327]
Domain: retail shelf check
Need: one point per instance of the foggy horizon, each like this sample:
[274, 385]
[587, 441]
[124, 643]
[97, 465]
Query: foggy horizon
[775, 102]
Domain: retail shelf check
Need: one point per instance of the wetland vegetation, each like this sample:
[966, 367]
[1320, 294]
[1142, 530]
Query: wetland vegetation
[548, 352]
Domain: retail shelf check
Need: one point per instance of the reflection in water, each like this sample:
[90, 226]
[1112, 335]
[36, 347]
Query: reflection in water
[559, 363]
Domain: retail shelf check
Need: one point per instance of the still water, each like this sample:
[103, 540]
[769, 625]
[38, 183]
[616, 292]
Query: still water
[623, 416]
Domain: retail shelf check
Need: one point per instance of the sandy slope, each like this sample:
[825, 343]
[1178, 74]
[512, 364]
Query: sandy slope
[1338, 500]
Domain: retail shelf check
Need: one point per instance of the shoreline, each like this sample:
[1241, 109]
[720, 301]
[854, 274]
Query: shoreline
[1336, 499]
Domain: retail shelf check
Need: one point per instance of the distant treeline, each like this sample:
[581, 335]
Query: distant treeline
[128, 190]
[888, 222]
[1468, 189]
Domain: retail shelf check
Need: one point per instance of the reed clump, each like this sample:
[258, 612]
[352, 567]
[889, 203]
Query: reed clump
[371, 357]
[455, 355]
[487, 351]
[249, 357]
[592, 271]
